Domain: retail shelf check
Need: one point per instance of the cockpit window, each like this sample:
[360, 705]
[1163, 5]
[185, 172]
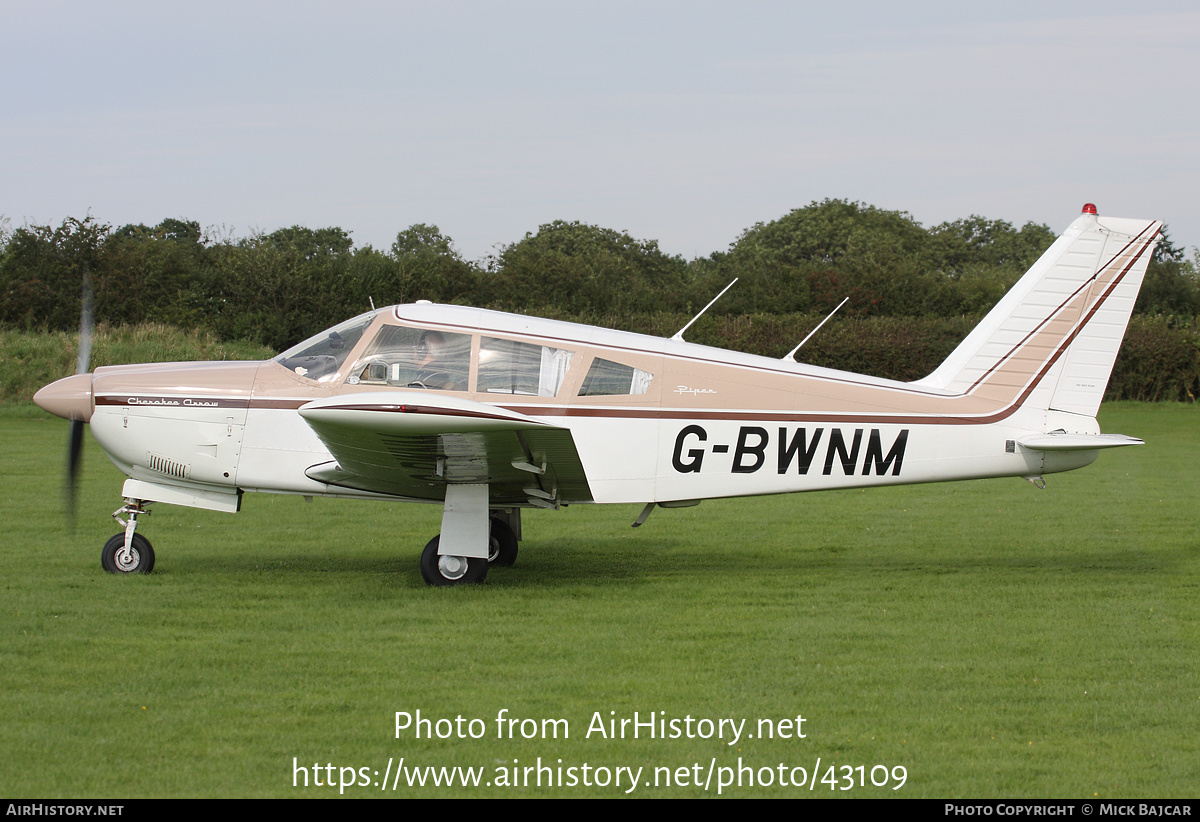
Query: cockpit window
[510, 367]
[608, 378]
[415, 358]
[319, 358]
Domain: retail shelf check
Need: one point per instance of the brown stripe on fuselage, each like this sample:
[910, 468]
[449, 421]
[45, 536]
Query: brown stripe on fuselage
[171, 401]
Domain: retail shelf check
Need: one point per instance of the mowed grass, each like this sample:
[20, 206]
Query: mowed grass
[993, 639]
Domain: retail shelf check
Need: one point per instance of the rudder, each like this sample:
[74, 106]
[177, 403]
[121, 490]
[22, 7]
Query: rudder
[1053, 338]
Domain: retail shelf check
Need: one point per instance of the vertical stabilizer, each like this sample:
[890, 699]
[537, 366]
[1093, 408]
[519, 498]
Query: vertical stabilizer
[1053, 338]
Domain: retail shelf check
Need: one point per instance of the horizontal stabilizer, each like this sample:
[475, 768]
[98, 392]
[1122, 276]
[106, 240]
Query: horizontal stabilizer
[1076, 442]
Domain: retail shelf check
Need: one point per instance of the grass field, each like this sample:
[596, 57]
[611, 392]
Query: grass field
[992, 639]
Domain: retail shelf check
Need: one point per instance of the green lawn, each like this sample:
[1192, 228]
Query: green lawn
[991, 639]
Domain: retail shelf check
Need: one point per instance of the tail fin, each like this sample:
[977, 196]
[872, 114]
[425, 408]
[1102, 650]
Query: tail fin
[1053, 338]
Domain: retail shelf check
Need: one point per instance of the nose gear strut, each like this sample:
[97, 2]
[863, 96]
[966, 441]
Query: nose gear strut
[128, 553]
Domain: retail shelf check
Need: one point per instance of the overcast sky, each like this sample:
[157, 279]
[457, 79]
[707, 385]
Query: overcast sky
[681, 122]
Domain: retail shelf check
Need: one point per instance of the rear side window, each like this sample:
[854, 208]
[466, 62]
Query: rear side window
[608, 378]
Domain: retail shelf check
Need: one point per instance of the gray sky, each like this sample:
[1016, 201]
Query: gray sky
[682, 122]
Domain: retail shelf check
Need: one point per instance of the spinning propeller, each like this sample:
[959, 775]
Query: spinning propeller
[82, 360]
[71, 398]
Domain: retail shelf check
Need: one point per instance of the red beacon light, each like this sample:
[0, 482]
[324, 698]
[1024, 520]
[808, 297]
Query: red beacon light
[1089, 208]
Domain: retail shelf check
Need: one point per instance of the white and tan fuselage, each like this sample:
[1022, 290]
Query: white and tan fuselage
[596, 415]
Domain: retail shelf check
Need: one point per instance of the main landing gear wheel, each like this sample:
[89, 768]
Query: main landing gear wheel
[502, 544]
[449, 569]
[139, 559]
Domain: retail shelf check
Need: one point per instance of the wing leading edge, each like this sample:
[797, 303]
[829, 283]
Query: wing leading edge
[413, 444]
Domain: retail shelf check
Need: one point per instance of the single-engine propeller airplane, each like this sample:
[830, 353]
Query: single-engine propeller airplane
[488, 413]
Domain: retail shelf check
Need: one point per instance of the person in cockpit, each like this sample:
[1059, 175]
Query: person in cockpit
[432, 371]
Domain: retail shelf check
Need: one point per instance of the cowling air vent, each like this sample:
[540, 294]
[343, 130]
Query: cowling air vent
[164, 465]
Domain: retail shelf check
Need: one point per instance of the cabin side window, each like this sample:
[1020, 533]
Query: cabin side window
[511, 367]
[608, 378]
[415, 358]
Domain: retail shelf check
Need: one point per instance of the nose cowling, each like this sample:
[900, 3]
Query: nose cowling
[70, 398]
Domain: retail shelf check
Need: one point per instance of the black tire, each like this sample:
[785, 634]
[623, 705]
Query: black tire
[141, 560]
[502, 544]
[450, 570]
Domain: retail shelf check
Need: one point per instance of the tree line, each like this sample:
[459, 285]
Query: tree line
[923, 284]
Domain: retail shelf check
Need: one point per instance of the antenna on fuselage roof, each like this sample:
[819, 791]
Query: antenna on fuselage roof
[372, 302]
[791, 355]
[679, 333]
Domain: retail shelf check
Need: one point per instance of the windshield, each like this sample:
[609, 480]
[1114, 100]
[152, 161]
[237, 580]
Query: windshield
[319, 357]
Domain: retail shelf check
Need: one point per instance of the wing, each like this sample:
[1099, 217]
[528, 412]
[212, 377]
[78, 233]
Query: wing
[414, 443]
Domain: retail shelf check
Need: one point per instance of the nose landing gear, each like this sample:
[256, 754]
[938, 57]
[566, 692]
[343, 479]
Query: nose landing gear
[128, 552]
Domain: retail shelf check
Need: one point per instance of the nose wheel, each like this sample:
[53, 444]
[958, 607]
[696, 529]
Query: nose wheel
[138, 558]
[128, 552]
